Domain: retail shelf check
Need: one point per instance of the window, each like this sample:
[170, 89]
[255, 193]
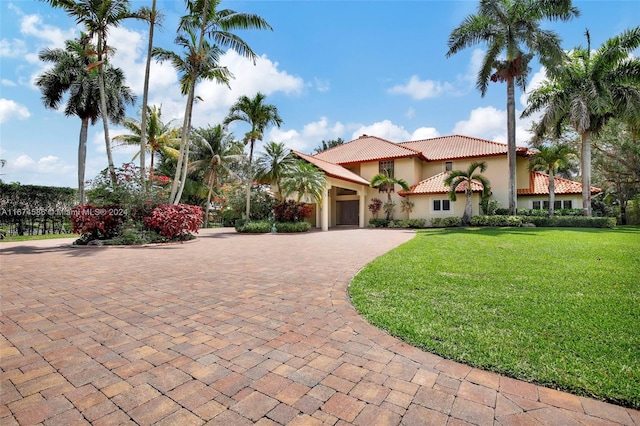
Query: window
[385, 166]
[558, 204]
[568, 204]
[536, 205]
[448, 166]
[441, 205]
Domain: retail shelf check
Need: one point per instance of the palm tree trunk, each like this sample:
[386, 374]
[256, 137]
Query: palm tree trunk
[212, 180]
[511, 144]
[250, 179]
[585, 164]
[82, 158]
[145, 96]
[466, 217]
[552, 192]
[103, 110]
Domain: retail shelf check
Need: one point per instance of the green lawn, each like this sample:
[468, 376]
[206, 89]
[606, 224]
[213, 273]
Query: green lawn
[15, 238]
[558, 307]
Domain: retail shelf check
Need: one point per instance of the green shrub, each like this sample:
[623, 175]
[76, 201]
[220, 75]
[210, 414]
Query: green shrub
[573, 221]
[407, 223]
[446, 222]
[488, 206]
[378, 223]
[501, 211]
[261, 227]
[130, 237]
[496, 220]
[289, 227]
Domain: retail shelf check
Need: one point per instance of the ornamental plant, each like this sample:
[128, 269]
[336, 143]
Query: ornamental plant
[175, 221]
[375, 206]
[97, 222]
[292, 211]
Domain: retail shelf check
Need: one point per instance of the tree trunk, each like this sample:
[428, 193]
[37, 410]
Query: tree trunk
[103, 108]
[182, 157]
[552, 192]
[82, 158]
[466, 217]
[212, 180]
[145, 97]
[585, 164]
[250, 178]
[511, 144]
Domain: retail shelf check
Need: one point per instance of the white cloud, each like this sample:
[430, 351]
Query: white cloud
[8, 83]
[12, 48]
[424, 133]
[411, 112]
[322, 85]
[419, 89]
[311, 135]
[12, 110]
[491, 123]
[32, 25]
[21, 162]
[50, 169]
[383, 129]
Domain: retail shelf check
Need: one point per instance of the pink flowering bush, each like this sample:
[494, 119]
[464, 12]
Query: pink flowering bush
[175, 221]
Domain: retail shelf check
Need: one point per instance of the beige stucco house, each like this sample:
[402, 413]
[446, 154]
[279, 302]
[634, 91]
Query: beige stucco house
[424, 165]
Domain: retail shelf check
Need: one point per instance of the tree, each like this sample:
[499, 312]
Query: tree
[549, 159]
[69, 75]
[259, 116]
[325, 145]
[464, 179]
[273, 164]
[160, 137]
[204, 21]
[214, 147]
[304, 178]
[586, 90]
[386, 181]
[98, 17]
[511, 29]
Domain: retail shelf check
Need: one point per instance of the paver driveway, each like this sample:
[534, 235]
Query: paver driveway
[233, 329]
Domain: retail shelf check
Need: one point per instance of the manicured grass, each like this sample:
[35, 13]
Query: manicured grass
[558, 307]
[15, 238]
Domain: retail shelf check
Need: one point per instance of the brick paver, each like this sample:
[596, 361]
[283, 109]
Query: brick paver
[233, 329]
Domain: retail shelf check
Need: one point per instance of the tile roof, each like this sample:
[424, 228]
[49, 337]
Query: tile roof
[539, 185]
[457, 146]
[435, 185]
[366, 148]
[333, 170]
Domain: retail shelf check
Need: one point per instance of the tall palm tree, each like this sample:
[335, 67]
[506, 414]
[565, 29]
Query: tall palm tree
[160, 137]
[386, 181]
[513, 34]
[213, 149]
[588, 89]
[273, 164]
[549, 159]
[259, 116]
[69, 75]
[204, 21]
[98, 17]
[304, 179]
[458, 178]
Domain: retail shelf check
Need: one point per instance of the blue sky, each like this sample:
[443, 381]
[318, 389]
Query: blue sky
[333, 69]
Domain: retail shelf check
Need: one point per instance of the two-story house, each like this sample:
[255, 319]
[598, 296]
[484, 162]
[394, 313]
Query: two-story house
[424, 165]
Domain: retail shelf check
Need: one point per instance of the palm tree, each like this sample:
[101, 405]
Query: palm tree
[201, 60]
[69, 75]
[465, 178]
[259, 116]
[273, 164]
[214, 148]
[588, 89]
[98, 17]
[386, 181]
[511, 29]
[160, 137]
[550, 159]
[304, 178]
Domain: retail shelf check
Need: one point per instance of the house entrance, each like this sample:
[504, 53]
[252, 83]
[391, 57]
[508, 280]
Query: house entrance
[347, 212]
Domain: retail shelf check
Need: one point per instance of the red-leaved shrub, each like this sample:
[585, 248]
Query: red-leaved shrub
[173, 221]
[292, 211]
[100, 222]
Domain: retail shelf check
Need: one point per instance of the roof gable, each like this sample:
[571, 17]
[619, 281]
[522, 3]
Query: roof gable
[435, 185]
[457, 146]
[364, 149]
[333, 170]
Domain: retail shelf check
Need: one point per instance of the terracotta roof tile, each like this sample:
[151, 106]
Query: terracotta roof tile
[333, 170]
[539, 185]
[435, 185]
[457, 146]
[366, 148]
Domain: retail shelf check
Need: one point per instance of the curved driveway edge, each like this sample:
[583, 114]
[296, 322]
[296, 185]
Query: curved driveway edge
[233, 330]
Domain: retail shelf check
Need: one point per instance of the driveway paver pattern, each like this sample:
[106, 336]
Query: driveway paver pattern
[234, 330]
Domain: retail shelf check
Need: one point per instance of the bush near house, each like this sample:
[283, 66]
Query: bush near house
[175, 221]
[446, 222]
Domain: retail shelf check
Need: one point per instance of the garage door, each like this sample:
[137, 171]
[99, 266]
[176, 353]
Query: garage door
[347, 212]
